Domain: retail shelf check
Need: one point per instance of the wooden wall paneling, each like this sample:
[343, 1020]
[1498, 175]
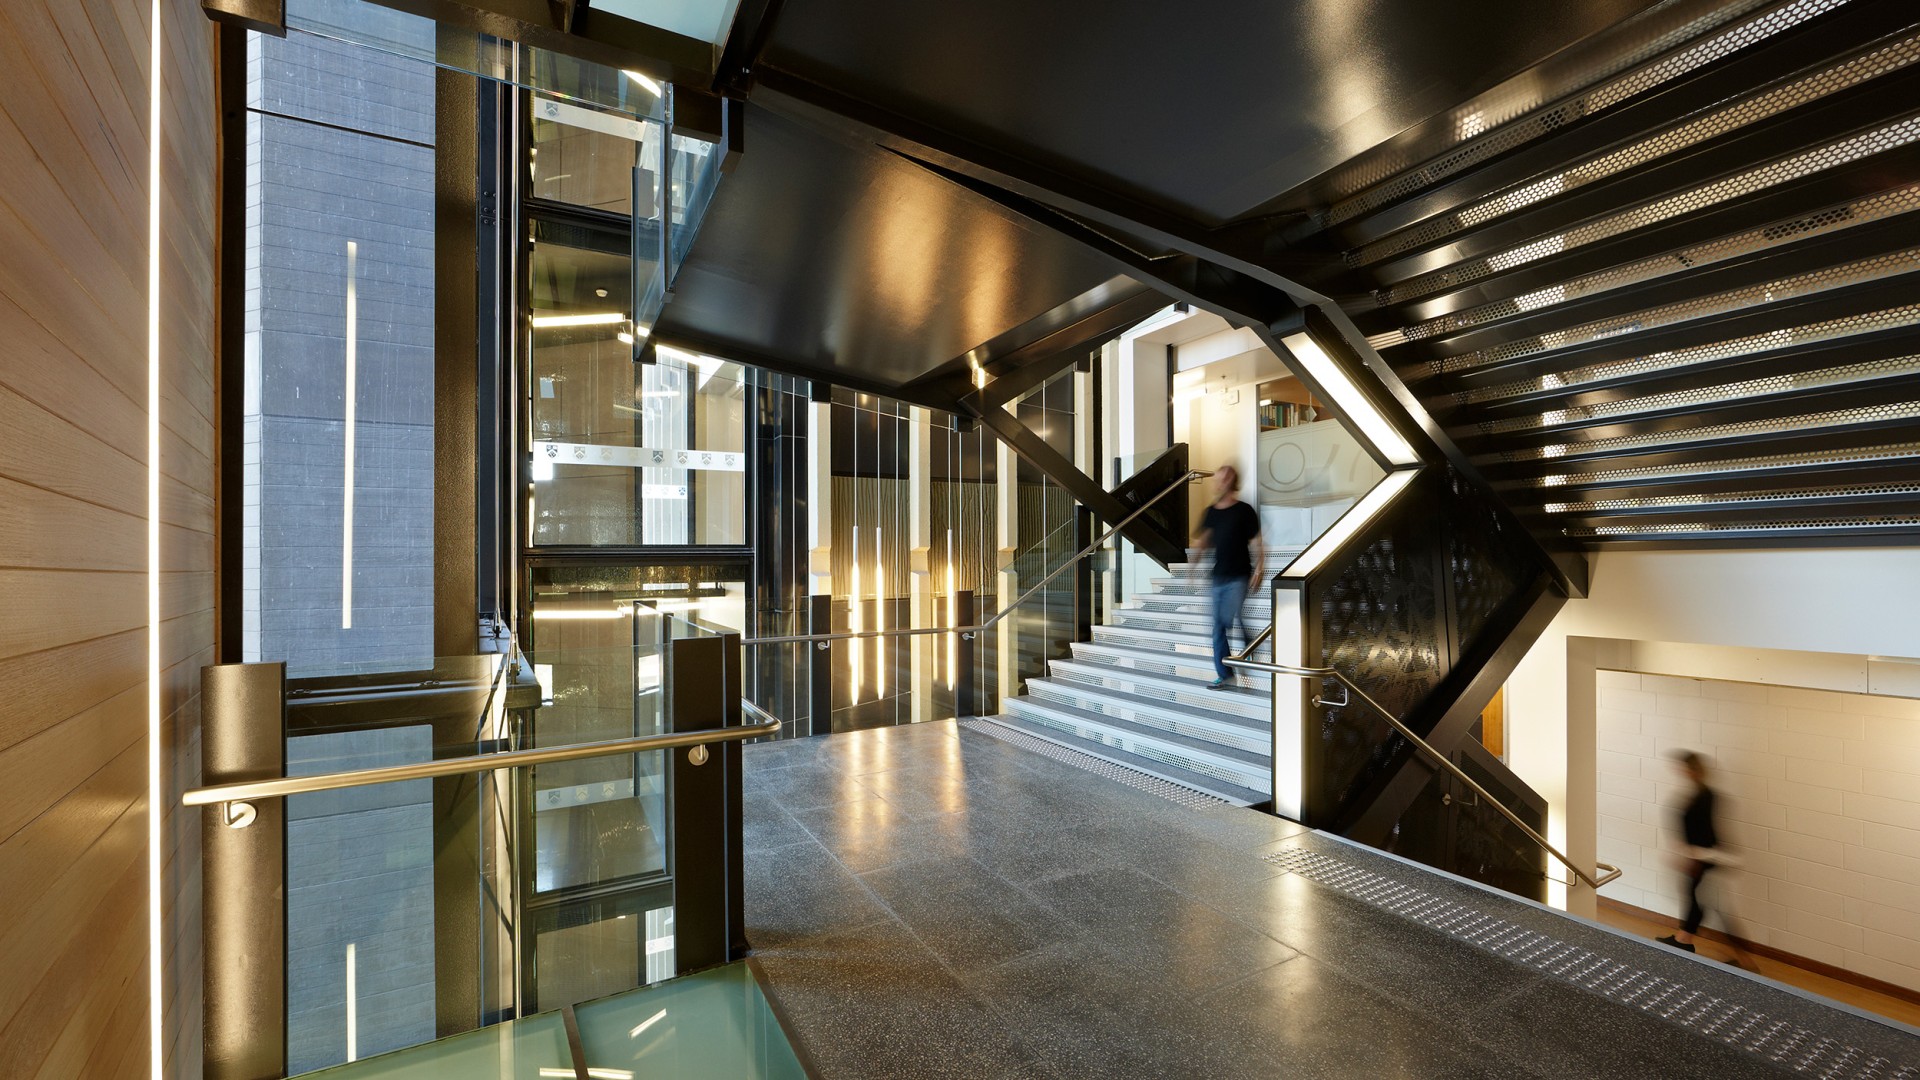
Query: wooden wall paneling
[47, 766]
[46, 371]
[74, 153]
[51, 686]
[50, 452]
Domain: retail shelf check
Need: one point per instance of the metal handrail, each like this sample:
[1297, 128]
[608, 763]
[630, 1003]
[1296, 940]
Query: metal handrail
[1610, 872]
[967, 631]
[281, 787]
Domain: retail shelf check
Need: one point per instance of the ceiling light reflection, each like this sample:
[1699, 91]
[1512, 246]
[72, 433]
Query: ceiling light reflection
[592, 318]
[646, 84]
[647, 1023]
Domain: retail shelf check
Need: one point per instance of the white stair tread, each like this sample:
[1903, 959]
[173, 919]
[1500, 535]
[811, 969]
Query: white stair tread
[1233, 701]
[1211, 785]
[1198, 724]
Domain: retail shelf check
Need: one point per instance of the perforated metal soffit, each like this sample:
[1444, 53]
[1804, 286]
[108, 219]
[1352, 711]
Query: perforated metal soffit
[1515, 114]
[1724, 394]
[1469, 269]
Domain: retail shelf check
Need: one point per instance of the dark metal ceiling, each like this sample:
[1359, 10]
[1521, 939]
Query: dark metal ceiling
[826, 257]
[1647, 269]
[1205, 110]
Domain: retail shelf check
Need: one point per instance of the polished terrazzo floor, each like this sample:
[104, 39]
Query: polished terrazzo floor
[929, 902]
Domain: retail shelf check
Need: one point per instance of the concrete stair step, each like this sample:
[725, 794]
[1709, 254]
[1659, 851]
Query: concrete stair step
[1256, 607]
[1179, 665]
[1177, 622]
[1160, 751]
[1225, 732]
[1062, 735]
[1189, 643]
[1188, 696]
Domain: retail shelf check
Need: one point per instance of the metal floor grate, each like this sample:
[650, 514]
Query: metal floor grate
[1786, 1043]
[1133, 778]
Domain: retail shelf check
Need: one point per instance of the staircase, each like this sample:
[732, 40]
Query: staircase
[1136, 695]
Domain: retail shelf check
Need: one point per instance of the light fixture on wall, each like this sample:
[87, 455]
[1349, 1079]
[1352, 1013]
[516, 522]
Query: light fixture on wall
[351, 394]
[1356, 518]
[879, 618]
[1346, 394]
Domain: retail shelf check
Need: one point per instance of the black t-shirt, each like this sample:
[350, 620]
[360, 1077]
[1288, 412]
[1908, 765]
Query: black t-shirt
[1231, 531]
[1696, 821]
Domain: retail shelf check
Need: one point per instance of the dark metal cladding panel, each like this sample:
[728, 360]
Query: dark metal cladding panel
[1382, 625]
[1485, 559]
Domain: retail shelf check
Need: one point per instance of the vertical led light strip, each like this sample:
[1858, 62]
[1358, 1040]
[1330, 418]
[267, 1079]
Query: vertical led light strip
[854, 599]
[953, 616]
[155, 981]
[346, 489]
[353, 1006]
[879, 614]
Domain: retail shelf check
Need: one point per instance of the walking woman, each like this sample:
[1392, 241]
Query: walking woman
[1703, 854]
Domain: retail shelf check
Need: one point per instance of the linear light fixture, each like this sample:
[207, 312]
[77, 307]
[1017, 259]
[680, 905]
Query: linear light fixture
[1351, 522]
[353, 1007]
[854, 600]
[346, 487]
[576, 614]
[156, 982]
[953, 618]
[1345, 394]
[708, 366]
[879, 619]
[590, 318]
[649, 85]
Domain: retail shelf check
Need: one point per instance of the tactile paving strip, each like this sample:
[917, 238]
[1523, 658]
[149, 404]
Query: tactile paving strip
[1780, 1041]
[1133, 778]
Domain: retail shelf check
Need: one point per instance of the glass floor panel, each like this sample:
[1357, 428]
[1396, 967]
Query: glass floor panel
[715, 1025]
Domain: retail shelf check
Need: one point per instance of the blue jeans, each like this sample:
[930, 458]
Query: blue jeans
[1228, 598]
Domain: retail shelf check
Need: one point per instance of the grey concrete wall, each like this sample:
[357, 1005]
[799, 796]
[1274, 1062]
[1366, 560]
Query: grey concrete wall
[359, 864]
[310, 190]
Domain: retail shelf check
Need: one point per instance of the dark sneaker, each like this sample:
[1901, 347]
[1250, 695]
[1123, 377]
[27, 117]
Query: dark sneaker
[1220, 684]
[1683, 946]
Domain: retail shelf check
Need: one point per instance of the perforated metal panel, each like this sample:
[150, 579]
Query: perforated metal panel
[1727, 528]
[1809, 422]
[1495, 124]
[1833, 155]
[1847, 275]
[1672, 359]
[1727, 393]
[1732, 466]
[1736, 498]
[1875, 63]
[1791, 230]
[1743, 182]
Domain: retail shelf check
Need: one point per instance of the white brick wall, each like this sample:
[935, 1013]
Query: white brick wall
[1820, 799]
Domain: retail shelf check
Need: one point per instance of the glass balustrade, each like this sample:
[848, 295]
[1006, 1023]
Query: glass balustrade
[426, 905]
[714, 1025]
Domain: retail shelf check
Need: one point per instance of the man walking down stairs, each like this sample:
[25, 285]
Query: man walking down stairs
[1231, 529]
[1137, 694]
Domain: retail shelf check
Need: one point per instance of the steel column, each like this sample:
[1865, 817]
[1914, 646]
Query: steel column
[243, 875]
